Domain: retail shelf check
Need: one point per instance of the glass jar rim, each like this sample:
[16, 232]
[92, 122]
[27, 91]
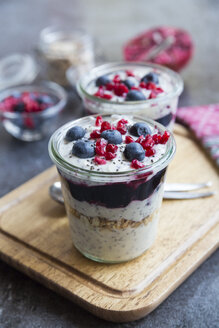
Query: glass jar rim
[125, 105]
[65, 166]
[51, 34]
[43, 86]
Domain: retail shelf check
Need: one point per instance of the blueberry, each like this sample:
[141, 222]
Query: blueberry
[19, 108]
[134, 151]
[165, 120]
[83, 149]
[140, 129]
[134, 95]
[102, 80]
[112, 136]
[75, 133]
[150, 77]
[129, 83]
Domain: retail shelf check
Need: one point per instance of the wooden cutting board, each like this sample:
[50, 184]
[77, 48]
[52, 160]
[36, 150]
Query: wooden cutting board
[35, 238]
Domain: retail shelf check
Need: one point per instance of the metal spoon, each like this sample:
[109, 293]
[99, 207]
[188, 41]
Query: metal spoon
[56, 192]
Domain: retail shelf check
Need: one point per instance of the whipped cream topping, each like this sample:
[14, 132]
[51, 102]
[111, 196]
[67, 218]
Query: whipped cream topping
[117, 164]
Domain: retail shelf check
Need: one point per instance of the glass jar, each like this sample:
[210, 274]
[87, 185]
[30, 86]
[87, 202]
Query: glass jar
[60, 48]
[17, 69]
[113, 216]
[32, 126]
[162, 109]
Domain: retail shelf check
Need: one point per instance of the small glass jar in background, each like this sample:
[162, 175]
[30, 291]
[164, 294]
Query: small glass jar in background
[16, 69]
[60, 48]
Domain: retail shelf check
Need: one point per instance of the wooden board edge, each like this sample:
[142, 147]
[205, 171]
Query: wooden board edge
[208, 243]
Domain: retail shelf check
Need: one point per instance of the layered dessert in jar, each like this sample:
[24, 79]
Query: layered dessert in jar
[147, 90]
[112, 170]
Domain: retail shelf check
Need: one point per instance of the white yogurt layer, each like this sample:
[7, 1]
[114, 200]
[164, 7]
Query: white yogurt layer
[164, 83]
[119, 163]
[114, 245]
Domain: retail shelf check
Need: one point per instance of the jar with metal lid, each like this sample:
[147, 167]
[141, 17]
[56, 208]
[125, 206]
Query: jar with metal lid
[60, 48]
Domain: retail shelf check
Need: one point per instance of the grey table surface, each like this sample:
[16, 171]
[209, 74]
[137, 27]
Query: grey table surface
[25, 303]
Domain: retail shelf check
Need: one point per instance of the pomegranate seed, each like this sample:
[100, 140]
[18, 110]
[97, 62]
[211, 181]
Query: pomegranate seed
[110, 156]
[116, 79]
[151, 86]
[165, 137]
[140, 139]
[105, 126]
[135, 88]
[153, 95]
[129, 139]
[101, 143]
[28, 122]
[143, 85]
[148, 142]
[111, 148]
[99, 92]
[99, 160]
[110, 86]
[159, 90]
[107, 96]
[121, 128]
[120, 90]
[129, 73]
[95, 134]
[156, 138]
[123, 121]
[149, 152]
[100, 150]
[99, 120]
[136, 164]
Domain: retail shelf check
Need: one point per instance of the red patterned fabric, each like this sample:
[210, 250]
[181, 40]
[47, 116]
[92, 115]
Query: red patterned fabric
[204, 122]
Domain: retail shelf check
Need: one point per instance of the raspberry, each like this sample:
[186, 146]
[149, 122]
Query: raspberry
[165, 137]
[95, 134]
[99, 160]
[111, 148]
[105, 126]
[149, 152]
[135, 88]
[99, 120]
[156, 138]
[120, 90]
[136, 164]
[109, 156]
[129, 139]
[121, 128]
[129, 73]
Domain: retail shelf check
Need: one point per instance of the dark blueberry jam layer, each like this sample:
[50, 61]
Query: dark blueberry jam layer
[115, 195]
[165, 120]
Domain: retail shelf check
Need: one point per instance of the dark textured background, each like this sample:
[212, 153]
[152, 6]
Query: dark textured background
[23, 302]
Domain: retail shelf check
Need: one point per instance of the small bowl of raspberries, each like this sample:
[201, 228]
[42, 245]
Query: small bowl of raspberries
[30, 112]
